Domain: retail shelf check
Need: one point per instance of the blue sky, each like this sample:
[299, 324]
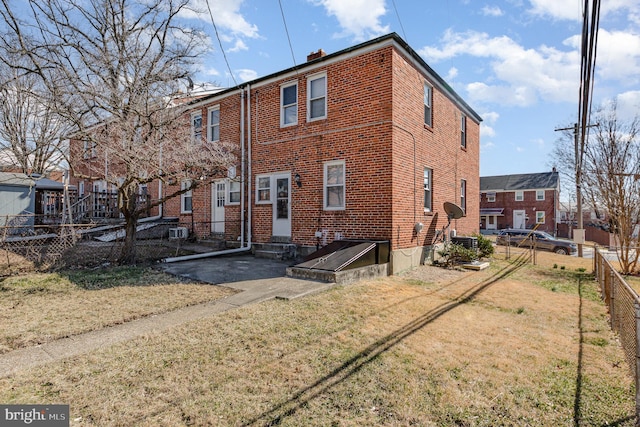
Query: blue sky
[516, 62]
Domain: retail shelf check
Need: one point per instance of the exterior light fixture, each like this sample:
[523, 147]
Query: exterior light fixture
[297, 180]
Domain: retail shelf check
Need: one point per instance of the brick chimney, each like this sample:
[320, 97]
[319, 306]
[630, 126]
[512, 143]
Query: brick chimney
[315, 55]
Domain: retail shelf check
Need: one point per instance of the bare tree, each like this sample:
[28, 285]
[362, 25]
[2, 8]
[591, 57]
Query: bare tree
[31, 130]
[116, 69]
[610, 177]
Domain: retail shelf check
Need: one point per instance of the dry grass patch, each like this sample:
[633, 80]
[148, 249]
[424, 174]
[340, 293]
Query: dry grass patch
[477, 349]
[36, 308]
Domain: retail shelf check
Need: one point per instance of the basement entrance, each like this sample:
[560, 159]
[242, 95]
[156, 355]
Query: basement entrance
[344, 261]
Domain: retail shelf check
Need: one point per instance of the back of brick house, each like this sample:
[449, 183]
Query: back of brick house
[364, 143]
[520, 201]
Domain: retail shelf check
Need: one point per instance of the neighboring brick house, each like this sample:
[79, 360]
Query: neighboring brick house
[520, 201]
[364, 143]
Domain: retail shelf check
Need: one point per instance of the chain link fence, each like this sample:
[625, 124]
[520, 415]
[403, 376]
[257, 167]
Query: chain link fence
[28, 247]
[624, 311]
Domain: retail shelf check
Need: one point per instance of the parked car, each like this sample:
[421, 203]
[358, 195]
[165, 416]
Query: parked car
[538, 239]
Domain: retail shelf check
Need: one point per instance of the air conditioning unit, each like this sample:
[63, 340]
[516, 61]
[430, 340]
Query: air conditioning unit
[178, 233]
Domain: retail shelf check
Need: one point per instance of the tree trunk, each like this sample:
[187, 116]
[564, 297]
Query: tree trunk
[128, 207]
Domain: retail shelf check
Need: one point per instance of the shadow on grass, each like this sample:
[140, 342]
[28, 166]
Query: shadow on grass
[278, 413]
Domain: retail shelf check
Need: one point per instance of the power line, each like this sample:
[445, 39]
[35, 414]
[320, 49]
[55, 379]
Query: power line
[404, 36]
[286, 30]
[220, 43]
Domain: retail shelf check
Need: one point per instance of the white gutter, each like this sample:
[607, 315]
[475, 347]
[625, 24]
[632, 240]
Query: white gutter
[242, 247]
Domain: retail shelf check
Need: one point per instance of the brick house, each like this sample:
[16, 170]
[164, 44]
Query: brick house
[520, 201]
[364, 143]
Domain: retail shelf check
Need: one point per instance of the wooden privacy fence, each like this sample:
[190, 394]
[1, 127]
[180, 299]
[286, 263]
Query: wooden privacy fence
[624, 311]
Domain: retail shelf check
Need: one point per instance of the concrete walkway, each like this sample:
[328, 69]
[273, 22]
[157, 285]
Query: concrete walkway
[257, 280]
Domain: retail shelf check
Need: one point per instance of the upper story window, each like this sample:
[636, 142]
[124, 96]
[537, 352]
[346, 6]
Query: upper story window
[491, 197]
[463, 131]
[196, 127]
[463, 195]
[428, 191]
[519, 196]
[186, 198]
[213, 125]
[334, 185]
[289, 104]
[317, 97]
[539, 195]
[428, 99]
[88, 149]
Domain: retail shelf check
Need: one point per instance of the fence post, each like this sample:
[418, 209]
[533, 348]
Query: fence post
[637, 367]
[612, 298]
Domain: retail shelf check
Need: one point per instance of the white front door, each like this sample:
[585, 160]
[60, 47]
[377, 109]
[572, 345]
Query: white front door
[218, 200]
[282, 205]
[519, 219]
[492, 222]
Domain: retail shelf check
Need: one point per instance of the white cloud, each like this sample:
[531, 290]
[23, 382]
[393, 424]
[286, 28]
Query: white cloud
[226, 14]
[492, 11]
[629, 105]
[487, 146]
[538, 142]
[239, 45]
[571, 10]
[246, 74]
[490, 117]
[520, 76]
[486, 131]
[451, 74]
[618, 56]
[357, 18]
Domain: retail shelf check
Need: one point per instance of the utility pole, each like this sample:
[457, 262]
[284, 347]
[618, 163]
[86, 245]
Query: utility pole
[578, 232]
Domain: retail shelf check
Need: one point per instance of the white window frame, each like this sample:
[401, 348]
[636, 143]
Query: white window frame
[310, 80]
[284, 107]
[196, 134]
[428, 189]
[540, 217]
[463, 131]
[186, 196]
[428, 105]
[491, 197]
[213, 126]
[262, 190]
[88, 149]
[519, 196]
[539, 195]
[326, 186]
[463, 195]
[233, 188]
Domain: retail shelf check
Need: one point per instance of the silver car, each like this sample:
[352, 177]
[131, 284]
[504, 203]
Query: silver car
[538, 239]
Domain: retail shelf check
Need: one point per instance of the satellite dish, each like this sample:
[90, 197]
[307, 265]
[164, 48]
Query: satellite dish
[453, 211]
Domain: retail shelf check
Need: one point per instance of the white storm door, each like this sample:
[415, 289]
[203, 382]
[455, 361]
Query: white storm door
[282, 205]
[492, 222]
[518, 219]
[218, 200]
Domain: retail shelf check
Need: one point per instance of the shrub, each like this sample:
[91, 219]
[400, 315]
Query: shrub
[454, 254]
[485, 246]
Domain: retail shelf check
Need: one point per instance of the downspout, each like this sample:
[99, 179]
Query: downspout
[248, 160]
[242, 247]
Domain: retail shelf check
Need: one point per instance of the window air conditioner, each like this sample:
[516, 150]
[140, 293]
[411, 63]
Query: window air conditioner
[178, 233]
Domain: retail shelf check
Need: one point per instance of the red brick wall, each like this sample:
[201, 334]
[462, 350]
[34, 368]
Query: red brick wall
[507, 200]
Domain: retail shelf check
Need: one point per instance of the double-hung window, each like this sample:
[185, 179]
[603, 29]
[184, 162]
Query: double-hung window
[519, 195]
[463, 195]
[317, 97]
[88, 149]
[234, 192]
[289, 104]
[540, 217]
[539, 195]
[263, 189]
[196, 127]
[213, 124]
[428, 190]
[186, 198]
[491, 197]
[334, 185]
[463, 131]
[428, 100]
